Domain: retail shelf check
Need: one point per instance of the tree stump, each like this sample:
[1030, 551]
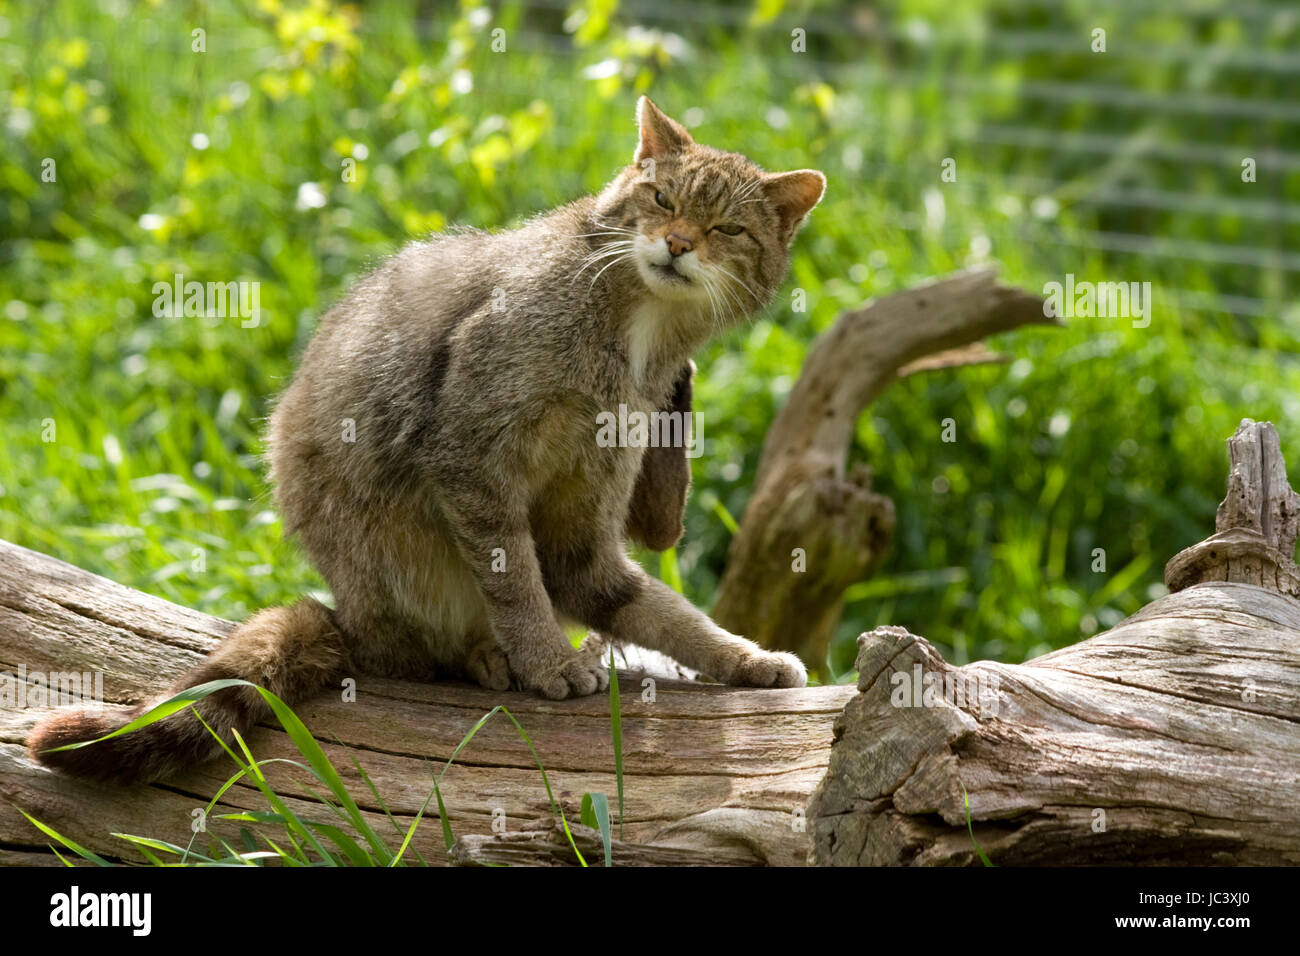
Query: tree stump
[1173, 738]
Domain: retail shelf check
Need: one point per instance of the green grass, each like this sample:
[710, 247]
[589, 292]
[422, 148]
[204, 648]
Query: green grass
[1099, 435]
[970, 828]
[310, 842]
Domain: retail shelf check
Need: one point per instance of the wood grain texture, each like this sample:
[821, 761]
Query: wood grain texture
[1256, 525]
[549, 846]
[1173, 738]
[712, 773]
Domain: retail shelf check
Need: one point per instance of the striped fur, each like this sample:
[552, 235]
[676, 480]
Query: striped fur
[436, 452]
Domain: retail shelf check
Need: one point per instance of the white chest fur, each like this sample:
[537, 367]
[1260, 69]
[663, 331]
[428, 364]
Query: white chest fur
[650, 328]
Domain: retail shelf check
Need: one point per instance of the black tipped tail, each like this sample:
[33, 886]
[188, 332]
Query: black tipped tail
[291, 651]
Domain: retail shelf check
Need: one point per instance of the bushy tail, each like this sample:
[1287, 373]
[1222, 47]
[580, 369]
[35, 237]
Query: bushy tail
[291, 651]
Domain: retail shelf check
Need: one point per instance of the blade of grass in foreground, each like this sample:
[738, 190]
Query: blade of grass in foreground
[76, 848]
[301, 738]
[448, 837]
[243, 772]
[382, 805]
[970, 829]
[163, 710]
[616, 731]
[310, 749]
[319, 766]
[253, 768]
[146, 845]
[595, 814]
[355, 854]
[292, 821]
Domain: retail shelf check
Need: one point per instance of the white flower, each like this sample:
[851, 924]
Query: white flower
[310, 196]
[603, 70]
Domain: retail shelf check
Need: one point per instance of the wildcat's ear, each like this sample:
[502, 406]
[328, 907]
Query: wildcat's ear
[794, 194]
[659, 134]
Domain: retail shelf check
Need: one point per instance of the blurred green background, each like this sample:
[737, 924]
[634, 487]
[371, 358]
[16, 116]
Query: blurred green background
[227, 164]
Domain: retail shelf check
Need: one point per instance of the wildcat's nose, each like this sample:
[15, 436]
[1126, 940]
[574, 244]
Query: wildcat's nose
[678, 244]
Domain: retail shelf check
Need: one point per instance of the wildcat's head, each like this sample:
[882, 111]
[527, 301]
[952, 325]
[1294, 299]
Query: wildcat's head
[701, 225]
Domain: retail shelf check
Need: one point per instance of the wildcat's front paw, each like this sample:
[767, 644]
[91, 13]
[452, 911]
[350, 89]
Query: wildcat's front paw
[769, 669]
[573, 675]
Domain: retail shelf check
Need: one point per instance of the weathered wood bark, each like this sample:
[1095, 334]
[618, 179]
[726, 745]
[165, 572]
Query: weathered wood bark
[1256, 525]
[806, 497]
[545, 844]
[712, 773]
[1172, 738]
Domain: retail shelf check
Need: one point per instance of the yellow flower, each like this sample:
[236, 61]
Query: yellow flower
[74, 52]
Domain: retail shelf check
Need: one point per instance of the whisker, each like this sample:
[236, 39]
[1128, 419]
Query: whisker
[616, 253]
[604, 253]
[607, 232]
[733, 301]
[713, 309]
[612, 262]
[711, 288]
[614, 226]
[607, 249]
[740, 282]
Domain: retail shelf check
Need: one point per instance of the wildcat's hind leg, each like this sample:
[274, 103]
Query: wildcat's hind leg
[486, 664]
[384, 643]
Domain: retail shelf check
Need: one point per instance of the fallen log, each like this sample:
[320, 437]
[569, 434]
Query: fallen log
[1173, 738]
[712, 773]
[546, 844]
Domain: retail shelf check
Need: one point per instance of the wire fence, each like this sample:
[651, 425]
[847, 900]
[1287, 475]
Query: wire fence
[1172, 140]
[1175, 136]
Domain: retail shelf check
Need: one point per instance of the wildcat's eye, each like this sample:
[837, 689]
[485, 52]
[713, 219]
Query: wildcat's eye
[662, 200]
[730, 229]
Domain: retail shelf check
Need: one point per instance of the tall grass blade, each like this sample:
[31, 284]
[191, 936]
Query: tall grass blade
[595, 814]
[76, 848]
[971, 829]
[616, 731]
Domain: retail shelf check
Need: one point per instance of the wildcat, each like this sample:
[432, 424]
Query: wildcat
[436, 453]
